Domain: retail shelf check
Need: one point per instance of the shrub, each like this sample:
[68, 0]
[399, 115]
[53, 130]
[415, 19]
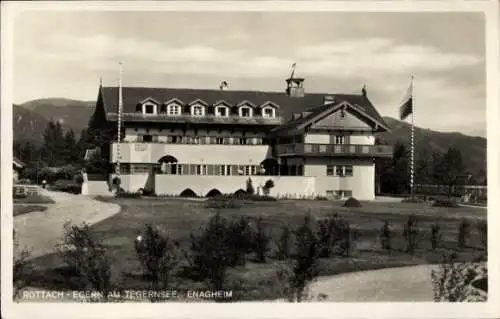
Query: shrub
[67, 186]
[87, 257]
[158, 255]
[240, 240]
[304, 266]
[410, 234]
[211, 252]
[463, 233]
[250, 189]
[482, 228]
[78, 179]
[445, 202]
[21, 268]
[452, 280]
[239, 193]
[386, 237]
[352, 202]
[320, 197]
[261, 242]
[283, 243]
[123, 194]
[268, 186]
[334, 237]
[435, 235]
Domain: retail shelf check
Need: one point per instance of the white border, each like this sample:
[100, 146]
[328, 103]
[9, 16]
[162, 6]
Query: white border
[257, 310]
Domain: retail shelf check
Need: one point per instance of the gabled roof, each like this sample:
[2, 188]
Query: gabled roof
[198, 101]
[148, 99]
[288, 105]
[174, 100]
[316, 113]
[270, 103]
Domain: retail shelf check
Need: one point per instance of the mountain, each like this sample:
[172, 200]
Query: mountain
[27, 124]
[72, 114]
[427, 141]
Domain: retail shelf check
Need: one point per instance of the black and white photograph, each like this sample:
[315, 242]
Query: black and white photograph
[232, 156]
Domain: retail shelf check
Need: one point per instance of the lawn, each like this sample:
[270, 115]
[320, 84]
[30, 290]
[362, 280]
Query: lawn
[25, 209]
[34, 199]
[257, 281]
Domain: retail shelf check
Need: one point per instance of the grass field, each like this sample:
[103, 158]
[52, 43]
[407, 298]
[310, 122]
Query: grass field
[34, 199]
[25, 209]
[256, 281]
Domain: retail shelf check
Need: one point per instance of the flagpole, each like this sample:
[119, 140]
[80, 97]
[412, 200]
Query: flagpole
[412, 171]
[120, 106]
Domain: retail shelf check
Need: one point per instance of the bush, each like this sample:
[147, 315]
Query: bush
[283, 244]
[386, 237]
[352, 202]
[211, 252]
[240, 240]
[250, 189]
[320, 197]
[123, 194]
[448, 202]
[158, 256]
[410, 234]
[304, 266]
[67, 186]
[261, 242]
[268, 186]
[463, 233]
[21, 268]
[452, 281]
[334, 237]
[87, 257]
[435, 235]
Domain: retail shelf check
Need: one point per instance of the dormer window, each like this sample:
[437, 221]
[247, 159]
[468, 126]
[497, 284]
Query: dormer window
[149, 108]
[221, 111]
[174, 109]
[197, 110]
[245, 111]
[268, 112]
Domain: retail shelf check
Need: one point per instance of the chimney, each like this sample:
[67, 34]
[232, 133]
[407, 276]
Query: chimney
[363, 90]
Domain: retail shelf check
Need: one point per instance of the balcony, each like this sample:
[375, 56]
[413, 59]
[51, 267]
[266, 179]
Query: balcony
[206, 119]
[348, 150]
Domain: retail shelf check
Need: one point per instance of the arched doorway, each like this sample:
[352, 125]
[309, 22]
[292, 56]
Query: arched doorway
[270, 166]
[168, 165]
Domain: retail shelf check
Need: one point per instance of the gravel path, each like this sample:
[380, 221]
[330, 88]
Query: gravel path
[41, 231]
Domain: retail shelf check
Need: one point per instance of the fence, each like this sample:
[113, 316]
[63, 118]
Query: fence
[474, 191]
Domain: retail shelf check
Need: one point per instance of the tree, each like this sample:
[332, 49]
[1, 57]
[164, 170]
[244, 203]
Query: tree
[71, 155]
[394, 179]
[53, 144]
[448, 169]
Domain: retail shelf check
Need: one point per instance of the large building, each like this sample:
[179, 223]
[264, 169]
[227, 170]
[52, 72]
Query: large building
[307, 144]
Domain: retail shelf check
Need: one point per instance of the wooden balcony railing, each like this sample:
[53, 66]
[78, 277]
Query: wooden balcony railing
[333, 150]
[206, 119]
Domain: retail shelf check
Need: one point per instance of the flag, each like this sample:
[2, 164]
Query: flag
[406, 106]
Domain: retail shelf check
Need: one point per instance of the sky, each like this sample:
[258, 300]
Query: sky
[64, 53]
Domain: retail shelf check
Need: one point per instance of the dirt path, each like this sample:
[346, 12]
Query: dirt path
[41, 231]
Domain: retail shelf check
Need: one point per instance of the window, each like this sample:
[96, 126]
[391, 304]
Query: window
[147, 138]
[196, 140]
[177, 139]
[221, 111]
[197, 110]
[243, 140]
[201, 169]
[348, 170]
[339, 170]
[347, 193]
[253, 170]
[149, 108]
[268, 112]
[329, 170]
[247, 169]
[141, 168]
[174, 109]
[245, 112]
[339, 140]
[219, 140]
